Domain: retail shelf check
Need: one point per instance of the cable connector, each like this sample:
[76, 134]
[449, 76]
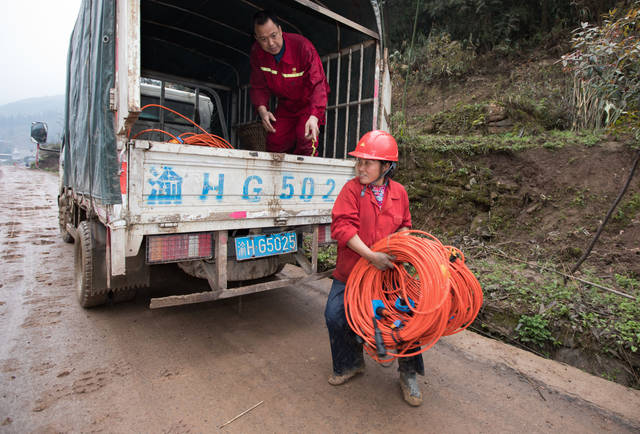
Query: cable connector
[381, 351]
[379, 310]
[402, 306]
[395, 331]
[454, 255]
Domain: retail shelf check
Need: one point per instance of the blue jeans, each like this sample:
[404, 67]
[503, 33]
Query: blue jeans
[346, 351]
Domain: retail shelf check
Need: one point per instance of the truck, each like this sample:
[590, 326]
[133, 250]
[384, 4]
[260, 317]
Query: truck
[131, 197]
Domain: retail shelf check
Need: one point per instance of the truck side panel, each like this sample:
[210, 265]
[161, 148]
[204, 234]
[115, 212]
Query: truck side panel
[183, 188]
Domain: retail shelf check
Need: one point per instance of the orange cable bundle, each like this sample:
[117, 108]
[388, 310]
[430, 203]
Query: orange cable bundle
[429, 294]
[205, 139]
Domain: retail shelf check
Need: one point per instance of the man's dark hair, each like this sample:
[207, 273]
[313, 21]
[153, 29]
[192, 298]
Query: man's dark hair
[261, 17]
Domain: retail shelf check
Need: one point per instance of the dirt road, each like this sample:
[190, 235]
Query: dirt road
[126, 368]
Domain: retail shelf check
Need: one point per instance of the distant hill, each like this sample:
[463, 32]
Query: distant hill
[16, 118]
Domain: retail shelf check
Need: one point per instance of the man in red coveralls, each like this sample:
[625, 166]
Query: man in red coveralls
[287, 65]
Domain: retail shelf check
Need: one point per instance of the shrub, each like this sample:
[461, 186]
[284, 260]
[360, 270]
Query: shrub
[534, 329]
[434, 57]
[606, 70]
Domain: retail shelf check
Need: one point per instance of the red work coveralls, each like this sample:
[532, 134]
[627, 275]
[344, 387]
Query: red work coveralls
[300, 84]
[354, 214]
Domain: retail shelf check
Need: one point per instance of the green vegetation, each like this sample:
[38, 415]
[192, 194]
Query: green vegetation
[463, 118]
[628, 210]
[628, 283]
[579, 199]
[504, 26]
[434, 57]
[534, 329]
[507, 142]
[327, 253]
[548, 308]
[327, 256]
[605, 63]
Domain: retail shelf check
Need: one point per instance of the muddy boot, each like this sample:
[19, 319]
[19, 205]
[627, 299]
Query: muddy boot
[410, 390]
[338, 379]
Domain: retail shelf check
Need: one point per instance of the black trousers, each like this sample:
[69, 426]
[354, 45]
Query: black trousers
[346, 351]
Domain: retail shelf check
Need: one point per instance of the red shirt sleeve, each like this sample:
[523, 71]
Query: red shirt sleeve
[259, 92]
[345, 219]
[316, 82]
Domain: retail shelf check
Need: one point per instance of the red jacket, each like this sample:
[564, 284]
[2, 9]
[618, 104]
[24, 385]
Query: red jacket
[298, 80]
[354, 214]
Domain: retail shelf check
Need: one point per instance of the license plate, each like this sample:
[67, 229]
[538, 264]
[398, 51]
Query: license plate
[257, 246]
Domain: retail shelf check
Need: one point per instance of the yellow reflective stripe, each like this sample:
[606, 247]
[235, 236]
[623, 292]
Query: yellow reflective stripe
[295, 74]
[265, 69]
[274, 72]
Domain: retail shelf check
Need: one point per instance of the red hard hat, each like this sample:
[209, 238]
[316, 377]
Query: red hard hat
[376, 145]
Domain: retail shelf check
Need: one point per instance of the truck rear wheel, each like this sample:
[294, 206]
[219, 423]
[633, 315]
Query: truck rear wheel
[85, 268]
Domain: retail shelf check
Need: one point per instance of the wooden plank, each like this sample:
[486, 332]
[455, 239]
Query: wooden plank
[347, 22]
[304, 263]
[199, 297]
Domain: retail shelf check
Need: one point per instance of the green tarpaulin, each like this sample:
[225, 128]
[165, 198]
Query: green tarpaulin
[90, 157]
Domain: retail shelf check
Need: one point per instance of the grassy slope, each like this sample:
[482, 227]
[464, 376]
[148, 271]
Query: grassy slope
[530, 193]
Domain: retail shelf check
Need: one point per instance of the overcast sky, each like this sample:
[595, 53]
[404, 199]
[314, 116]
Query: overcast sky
[34, 39]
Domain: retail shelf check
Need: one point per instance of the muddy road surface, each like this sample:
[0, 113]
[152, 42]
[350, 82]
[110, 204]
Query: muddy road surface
[126, 368]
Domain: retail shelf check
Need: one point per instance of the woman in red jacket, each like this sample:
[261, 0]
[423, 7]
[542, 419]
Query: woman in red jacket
[368, 208]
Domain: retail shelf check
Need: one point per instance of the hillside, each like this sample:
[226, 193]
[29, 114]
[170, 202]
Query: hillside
[16, 118]
[491, 167]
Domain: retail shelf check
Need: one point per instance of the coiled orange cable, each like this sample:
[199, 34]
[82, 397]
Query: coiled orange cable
[205, 139]
[446, 296]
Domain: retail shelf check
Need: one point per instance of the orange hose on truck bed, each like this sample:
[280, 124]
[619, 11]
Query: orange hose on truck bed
[204, 139]
[446, 294]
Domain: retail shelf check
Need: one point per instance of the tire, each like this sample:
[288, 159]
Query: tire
[85, 268]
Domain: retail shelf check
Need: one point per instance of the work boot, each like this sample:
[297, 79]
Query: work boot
[410, 390]
[338, 379]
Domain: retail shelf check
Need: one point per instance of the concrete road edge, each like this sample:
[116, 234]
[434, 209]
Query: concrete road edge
[612, 399]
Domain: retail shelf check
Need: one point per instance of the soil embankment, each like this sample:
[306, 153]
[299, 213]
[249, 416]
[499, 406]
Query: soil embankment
[525, 199]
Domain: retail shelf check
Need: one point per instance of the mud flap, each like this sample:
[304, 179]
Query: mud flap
[137, 274]
[98, 252]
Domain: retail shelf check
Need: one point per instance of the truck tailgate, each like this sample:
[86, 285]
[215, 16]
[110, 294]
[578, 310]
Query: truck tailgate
[171, 184]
